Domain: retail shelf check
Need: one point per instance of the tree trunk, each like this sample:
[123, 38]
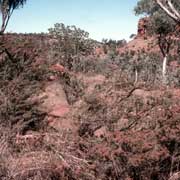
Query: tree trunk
[175, 176]
[2, 30]
[164, 70]
[136, 76]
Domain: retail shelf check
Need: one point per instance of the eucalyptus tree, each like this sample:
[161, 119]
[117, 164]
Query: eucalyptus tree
[163, 19]
[70, 42]
[7, 8]
[70, 38]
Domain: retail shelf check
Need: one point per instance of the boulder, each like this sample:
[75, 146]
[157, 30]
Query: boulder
[54, 100]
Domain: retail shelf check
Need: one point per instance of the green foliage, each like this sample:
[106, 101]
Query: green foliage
[146, 7]
[70, 41]
[110, 46]
[160, 22]
[19, 81]
[149, 7]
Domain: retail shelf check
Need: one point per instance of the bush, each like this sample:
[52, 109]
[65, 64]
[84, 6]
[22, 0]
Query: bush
[69, 41]
[20, 79]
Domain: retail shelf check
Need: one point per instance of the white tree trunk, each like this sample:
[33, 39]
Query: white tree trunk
[175, 176]
[136, 76]
[164, 70]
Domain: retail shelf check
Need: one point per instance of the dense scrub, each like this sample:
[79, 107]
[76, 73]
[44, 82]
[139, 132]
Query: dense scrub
[126, 124]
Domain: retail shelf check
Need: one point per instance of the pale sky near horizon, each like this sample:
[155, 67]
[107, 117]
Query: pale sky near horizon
[113, 19]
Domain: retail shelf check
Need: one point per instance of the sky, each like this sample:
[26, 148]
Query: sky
[113, 19]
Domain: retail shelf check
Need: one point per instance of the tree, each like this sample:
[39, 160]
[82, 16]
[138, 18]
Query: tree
[111, 46]
[161, 23]
[168, 6]
[71, 38]
[70, 42]
[149, 7]
[7, 8]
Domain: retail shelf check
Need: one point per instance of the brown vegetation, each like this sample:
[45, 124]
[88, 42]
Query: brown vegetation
[95, 120]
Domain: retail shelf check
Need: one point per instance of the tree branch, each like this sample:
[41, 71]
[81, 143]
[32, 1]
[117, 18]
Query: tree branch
[173, 9]
[174, 14]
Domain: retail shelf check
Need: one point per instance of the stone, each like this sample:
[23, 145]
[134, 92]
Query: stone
[54, 100]
[101, 132]
[59, 111]
[58, 68]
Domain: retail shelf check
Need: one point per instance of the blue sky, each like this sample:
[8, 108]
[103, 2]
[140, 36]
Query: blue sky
[101, 18]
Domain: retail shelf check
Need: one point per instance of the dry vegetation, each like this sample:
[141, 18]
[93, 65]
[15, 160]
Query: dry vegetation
[122, 128]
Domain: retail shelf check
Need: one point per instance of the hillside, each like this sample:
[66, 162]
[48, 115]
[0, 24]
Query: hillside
[87, 117]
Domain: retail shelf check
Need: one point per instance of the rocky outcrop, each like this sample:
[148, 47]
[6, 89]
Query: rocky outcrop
[142, 27]
[55, 102]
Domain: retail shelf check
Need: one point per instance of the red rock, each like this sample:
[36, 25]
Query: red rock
[54, 99]
[59, 111]
[99, 51]
[58, 68]
[142, 27]
[100, 132]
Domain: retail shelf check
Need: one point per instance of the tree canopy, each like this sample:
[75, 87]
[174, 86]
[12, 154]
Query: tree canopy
[164, 15]
[160, 21]
[149, 7]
